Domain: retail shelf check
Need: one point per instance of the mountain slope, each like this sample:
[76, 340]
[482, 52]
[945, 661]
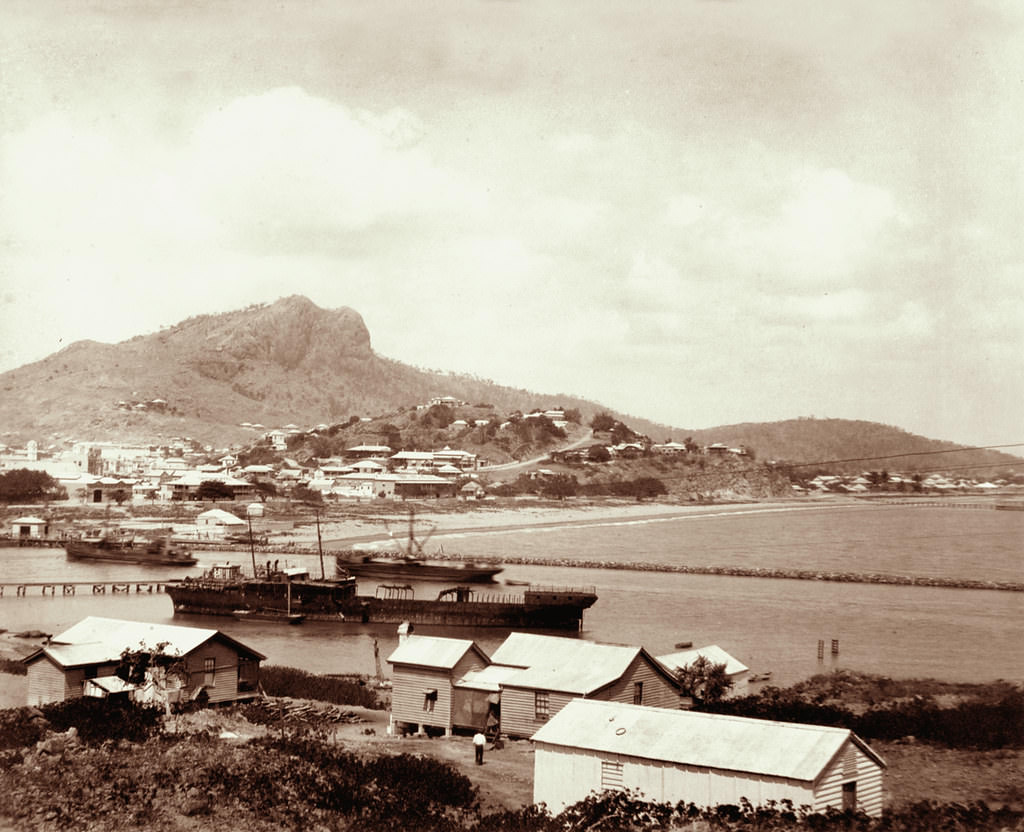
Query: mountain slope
[286, 362]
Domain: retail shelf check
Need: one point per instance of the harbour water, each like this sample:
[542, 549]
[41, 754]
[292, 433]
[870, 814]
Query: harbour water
[772, 625]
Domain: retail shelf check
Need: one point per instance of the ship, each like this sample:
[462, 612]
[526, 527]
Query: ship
[414, 569]
[122, 547]
[411, 564]
[224, 589]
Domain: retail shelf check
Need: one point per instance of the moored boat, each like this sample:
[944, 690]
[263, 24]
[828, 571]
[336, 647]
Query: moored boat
[122, 547]
[279, 616]
[415, 569]
[224, 590]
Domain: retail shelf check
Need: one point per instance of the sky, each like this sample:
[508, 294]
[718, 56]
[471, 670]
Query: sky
[699, 212]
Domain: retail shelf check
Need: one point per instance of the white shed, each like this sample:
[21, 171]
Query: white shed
[30, 527]
[706, 759]
[217, 518]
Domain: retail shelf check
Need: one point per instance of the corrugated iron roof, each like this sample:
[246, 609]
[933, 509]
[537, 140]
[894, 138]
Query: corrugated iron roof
[588, 669]
[755, 746]
[713, 653]
[433, 651]
[96, 640]
[530, 649]
[489, 679]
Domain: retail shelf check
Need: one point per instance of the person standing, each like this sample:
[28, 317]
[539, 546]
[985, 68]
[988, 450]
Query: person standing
[479, 740]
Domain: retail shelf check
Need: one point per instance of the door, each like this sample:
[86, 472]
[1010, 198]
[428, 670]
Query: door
[850, 796]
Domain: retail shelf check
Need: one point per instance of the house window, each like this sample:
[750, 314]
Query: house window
[209, 672]
[638, 693]
[429, 700]
[611, 775]
[541, 706]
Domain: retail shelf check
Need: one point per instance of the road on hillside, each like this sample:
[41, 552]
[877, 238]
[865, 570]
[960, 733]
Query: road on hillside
[525, 463]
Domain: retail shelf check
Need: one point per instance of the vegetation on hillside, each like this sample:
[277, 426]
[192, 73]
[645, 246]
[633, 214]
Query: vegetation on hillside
[296, 778]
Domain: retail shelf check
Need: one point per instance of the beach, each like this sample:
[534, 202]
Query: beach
[510, 515]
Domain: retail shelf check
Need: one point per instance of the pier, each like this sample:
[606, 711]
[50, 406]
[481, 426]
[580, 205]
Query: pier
[22, 589]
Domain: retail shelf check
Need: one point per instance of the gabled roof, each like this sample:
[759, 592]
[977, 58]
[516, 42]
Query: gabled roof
[225, 517]
[590, 668]
[713, 653]
[96, 640]
[529, 649]
[434, 651]
[755, 746]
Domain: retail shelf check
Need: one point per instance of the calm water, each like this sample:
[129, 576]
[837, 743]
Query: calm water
[770, 625]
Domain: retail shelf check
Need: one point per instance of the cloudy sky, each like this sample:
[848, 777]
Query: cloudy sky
[696, 211]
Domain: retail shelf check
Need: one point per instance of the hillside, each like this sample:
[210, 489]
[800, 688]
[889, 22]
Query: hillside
[866, 446]
[289, 362]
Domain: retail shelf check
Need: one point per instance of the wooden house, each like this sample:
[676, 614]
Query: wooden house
[561, 669]
[425, 670]
[76, 662]
[706, 759]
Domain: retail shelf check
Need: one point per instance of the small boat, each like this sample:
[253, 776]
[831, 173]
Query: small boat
[279, 616]
[683, 645]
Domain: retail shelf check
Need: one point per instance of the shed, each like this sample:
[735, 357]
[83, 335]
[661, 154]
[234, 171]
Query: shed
[34, 527]
[425, 670]
[612, 672]
[735, 670]
[218, 519]
[706, 759]
[79, 660]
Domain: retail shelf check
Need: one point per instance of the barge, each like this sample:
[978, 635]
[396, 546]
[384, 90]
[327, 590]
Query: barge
[225, 590]
[124, 548]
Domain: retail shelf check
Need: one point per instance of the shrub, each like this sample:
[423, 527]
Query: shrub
[298, 684]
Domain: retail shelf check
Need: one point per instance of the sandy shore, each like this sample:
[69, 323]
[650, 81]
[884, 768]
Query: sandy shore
[505, 516]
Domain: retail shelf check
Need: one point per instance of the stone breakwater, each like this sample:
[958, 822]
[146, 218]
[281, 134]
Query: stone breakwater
[687, 569]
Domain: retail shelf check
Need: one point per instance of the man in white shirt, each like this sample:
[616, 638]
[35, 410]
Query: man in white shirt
[479, 740]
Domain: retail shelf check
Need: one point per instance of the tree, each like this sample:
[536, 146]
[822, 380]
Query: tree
[25, 486]
[154, 670]
[305, 494]
[265, 490]
[214, 490]
[703, 680]
[598, 453]
[559, 487]
[603, 421]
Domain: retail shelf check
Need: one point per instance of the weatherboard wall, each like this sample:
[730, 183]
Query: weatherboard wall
[851, 765]
[410, 685]
[563, 776]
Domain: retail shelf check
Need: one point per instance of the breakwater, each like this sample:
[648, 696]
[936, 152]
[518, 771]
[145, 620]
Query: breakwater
[688, 569]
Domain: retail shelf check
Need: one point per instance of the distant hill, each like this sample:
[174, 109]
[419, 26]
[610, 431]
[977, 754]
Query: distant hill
[289, 362]
[850, 445]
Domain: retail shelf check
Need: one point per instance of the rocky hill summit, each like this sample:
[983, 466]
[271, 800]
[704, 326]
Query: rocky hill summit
[289, 362]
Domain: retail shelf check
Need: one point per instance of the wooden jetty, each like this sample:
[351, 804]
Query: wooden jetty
[22, 588]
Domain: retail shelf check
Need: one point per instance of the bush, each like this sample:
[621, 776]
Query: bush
[96, 720]
[298, 684]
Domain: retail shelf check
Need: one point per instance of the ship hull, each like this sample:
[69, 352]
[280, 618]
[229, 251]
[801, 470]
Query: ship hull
[418, 571]
[329, 601]
[118, 553]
